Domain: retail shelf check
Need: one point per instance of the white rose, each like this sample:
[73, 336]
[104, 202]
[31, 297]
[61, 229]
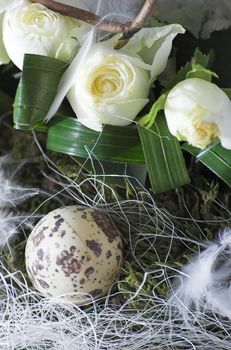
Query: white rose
[198, 111]
[5, 5]
[32, 28]
[112, 86]
[8, 4]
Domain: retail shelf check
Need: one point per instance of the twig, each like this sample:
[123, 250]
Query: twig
[91, 18]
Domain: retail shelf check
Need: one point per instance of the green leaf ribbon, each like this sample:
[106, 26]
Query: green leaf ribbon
[163, 156]
[115, 143]
[216, 158]
[36, 90]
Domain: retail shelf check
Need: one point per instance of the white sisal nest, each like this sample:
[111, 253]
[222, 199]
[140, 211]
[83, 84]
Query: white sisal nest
[29, 321]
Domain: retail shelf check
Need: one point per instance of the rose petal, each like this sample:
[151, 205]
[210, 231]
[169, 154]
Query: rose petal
[154, 45]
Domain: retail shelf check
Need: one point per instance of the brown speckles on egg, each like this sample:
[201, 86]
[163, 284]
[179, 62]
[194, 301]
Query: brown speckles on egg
[84, 216]
[58, 221]
[62, 234]
[69, 264]
[108, 254]
[94, 246]
[57, 216]
[37, 239]
[73, 250]
[43, 284]
[89, 271]
[105, 225]
[118, 258]
[40, 254]
[36, 267]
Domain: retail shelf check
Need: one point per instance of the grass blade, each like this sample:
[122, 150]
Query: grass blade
[115, 144]
[216, 158]
[163, 156]
[36, 90]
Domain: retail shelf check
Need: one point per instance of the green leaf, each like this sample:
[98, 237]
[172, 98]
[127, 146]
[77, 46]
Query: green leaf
[180, 75]
[5, 103]
[115, 144]
[148, 119]
[198, 60]
[200, 72]
[216, 158]
[202, 59]
[36, 90]
[163, 156]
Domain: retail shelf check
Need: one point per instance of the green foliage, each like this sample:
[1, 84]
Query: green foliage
[116, 144]
[198, 67]
[215, 158]
[148, 119]
[36, 90]
[200, 72]
[163, 156]
[204, 60]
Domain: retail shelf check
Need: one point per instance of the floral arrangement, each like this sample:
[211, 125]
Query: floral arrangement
[109, 83]
[118, 87]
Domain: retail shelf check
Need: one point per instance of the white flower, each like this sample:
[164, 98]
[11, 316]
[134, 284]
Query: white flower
[32, 28]
[5, 5]
[9, 4]
[198, 111]
[112, 86]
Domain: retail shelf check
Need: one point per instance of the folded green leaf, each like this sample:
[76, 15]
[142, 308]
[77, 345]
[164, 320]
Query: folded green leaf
[200, 72]
[148, 119]
[163, 156]
[36, 90]
[216, 158]
[115, 144]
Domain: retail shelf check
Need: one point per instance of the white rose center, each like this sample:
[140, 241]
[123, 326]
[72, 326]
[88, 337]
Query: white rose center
[106, 83]
[110, 79]
[38, 17]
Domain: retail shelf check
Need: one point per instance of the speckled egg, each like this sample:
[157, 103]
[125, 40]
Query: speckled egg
[74, 249]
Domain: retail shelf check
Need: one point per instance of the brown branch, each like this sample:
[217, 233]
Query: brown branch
[93, 19]
[144, 15]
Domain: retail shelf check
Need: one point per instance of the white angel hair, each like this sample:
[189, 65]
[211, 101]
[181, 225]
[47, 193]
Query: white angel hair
[204, 285]
[11, 194]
